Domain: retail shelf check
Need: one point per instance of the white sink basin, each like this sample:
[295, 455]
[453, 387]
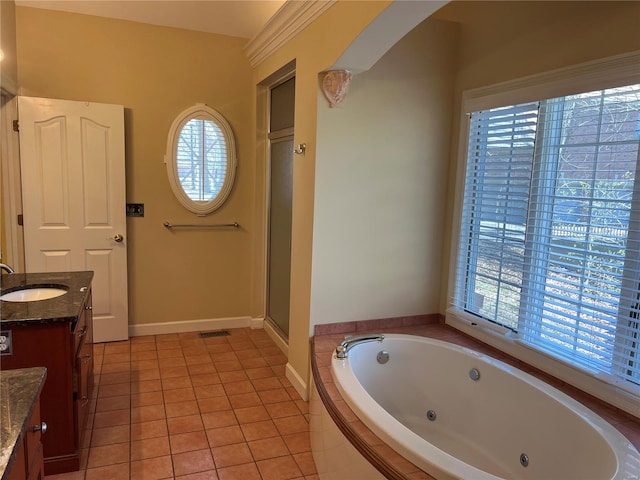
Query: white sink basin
[33, 294]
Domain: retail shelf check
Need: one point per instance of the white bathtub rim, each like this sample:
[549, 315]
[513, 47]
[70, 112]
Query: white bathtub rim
[404, 441]
[598, 385]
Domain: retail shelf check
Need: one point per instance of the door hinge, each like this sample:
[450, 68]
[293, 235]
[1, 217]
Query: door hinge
[16, 126]
[20, 219]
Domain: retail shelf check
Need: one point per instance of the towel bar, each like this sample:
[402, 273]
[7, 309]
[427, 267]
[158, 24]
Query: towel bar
[200, 225]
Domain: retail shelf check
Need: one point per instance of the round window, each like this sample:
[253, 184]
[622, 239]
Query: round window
[201, 159]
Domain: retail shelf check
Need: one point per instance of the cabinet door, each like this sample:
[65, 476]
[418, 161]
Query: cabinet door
[28, 464]
[79, 333]
[33, 434]
[18, 469]
[49, 345]
[36, 469]
[84, 369]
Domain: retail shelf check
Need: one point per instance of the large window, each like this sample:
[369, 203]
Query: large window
[549, 242]
[201, 159]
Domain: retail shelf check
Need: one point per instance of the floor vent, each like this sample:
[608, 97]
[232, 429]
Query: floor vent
[217, 333]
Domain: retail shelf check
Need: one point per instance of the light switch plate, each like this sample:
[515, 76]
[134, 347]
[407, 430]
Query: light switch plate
[135, 209]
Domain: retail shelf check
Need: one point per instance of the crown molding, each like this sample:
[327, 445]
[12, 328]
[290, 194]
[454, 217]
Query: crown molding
[287, 22]
[607, 72]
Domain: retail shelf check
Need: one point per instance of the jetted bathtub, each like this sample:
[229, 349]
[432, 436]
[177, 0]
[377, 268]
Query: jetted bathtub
[456, 413]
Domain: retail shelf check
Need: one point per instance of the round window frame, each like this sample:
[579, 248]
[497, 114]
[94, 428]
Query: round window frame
[202, 112]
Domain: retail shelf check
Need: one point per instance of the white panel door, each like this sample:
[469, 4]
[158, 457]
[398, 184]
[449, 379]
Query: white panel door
[73, 185]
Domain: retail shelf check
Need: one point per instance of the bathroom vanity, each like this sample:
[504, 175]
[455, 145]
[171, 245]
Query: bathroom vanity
[56, 333]
[21, 428]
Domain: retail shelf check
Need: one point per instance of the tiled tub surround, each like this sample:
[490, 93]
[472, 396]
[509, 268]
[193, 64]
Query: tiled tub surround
[19, 392]
[386, 460]
[178, 406]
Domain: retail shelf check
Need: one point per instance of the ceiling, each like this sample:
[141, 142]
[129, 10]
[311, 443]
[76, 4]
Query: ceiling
[238, 18]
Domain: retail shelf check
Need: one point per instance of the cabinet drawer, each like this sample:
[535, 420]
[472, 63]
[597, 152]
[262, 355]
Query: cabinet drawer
[88, 318]
[80, 332]
[81, 407]
[84, 369]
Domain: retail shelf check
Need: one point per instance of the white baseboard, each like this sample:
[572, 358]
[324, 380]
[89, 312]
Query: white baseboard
[294, 377]
[256, 323]
[193, 326]
[298, 382]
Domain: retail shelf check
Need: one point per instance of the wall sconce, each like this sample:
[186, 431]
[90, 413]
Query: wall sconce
[335, 85]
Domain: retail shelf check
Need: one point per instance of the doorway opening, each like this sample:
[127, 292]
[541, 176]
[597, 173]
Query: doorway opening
[12, 238]
[279, 202]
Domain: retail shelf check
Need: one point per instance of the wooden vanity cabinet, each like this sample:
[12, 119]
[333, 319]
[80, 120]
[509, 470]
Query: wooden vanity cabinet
[28, 464]
[65, 348]
[83, 371]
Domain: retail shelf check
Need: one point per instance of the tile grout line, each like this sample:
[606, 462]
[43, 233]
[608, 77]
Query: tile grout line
[228, 394]
[166, 418]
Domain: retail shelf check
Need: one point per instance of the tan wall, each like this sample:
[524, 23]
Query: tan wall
[504, 40]
[314, 49]
[9, 65]
[156, 72]
[381, 158]
[500, 41]
[548, 34]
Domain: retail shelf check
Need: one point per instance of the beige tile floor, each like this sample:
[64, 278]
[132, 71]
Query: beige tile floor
[179, 406]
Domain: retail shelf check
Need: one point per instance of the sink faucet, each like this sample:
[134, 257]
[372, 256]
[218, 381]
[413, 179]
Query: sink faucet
[350, 340]
[7, 268]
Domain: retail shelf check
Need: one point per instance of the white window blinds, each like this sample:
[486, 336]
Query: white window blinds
[550, 233]
[201, 157]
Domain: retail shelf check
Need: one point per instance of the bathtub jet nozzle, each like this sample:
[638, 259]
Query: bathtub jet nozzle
[351, 340]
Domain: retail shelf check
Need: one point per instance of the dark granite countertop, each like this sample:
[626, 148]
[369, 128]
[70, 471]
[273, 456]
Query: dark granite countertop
[19, 391]
[65, 308]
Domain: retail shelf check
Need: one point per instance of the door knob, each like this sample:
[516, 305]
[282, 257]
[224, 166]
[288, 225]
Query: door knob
[42, 428]
[117, 237]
